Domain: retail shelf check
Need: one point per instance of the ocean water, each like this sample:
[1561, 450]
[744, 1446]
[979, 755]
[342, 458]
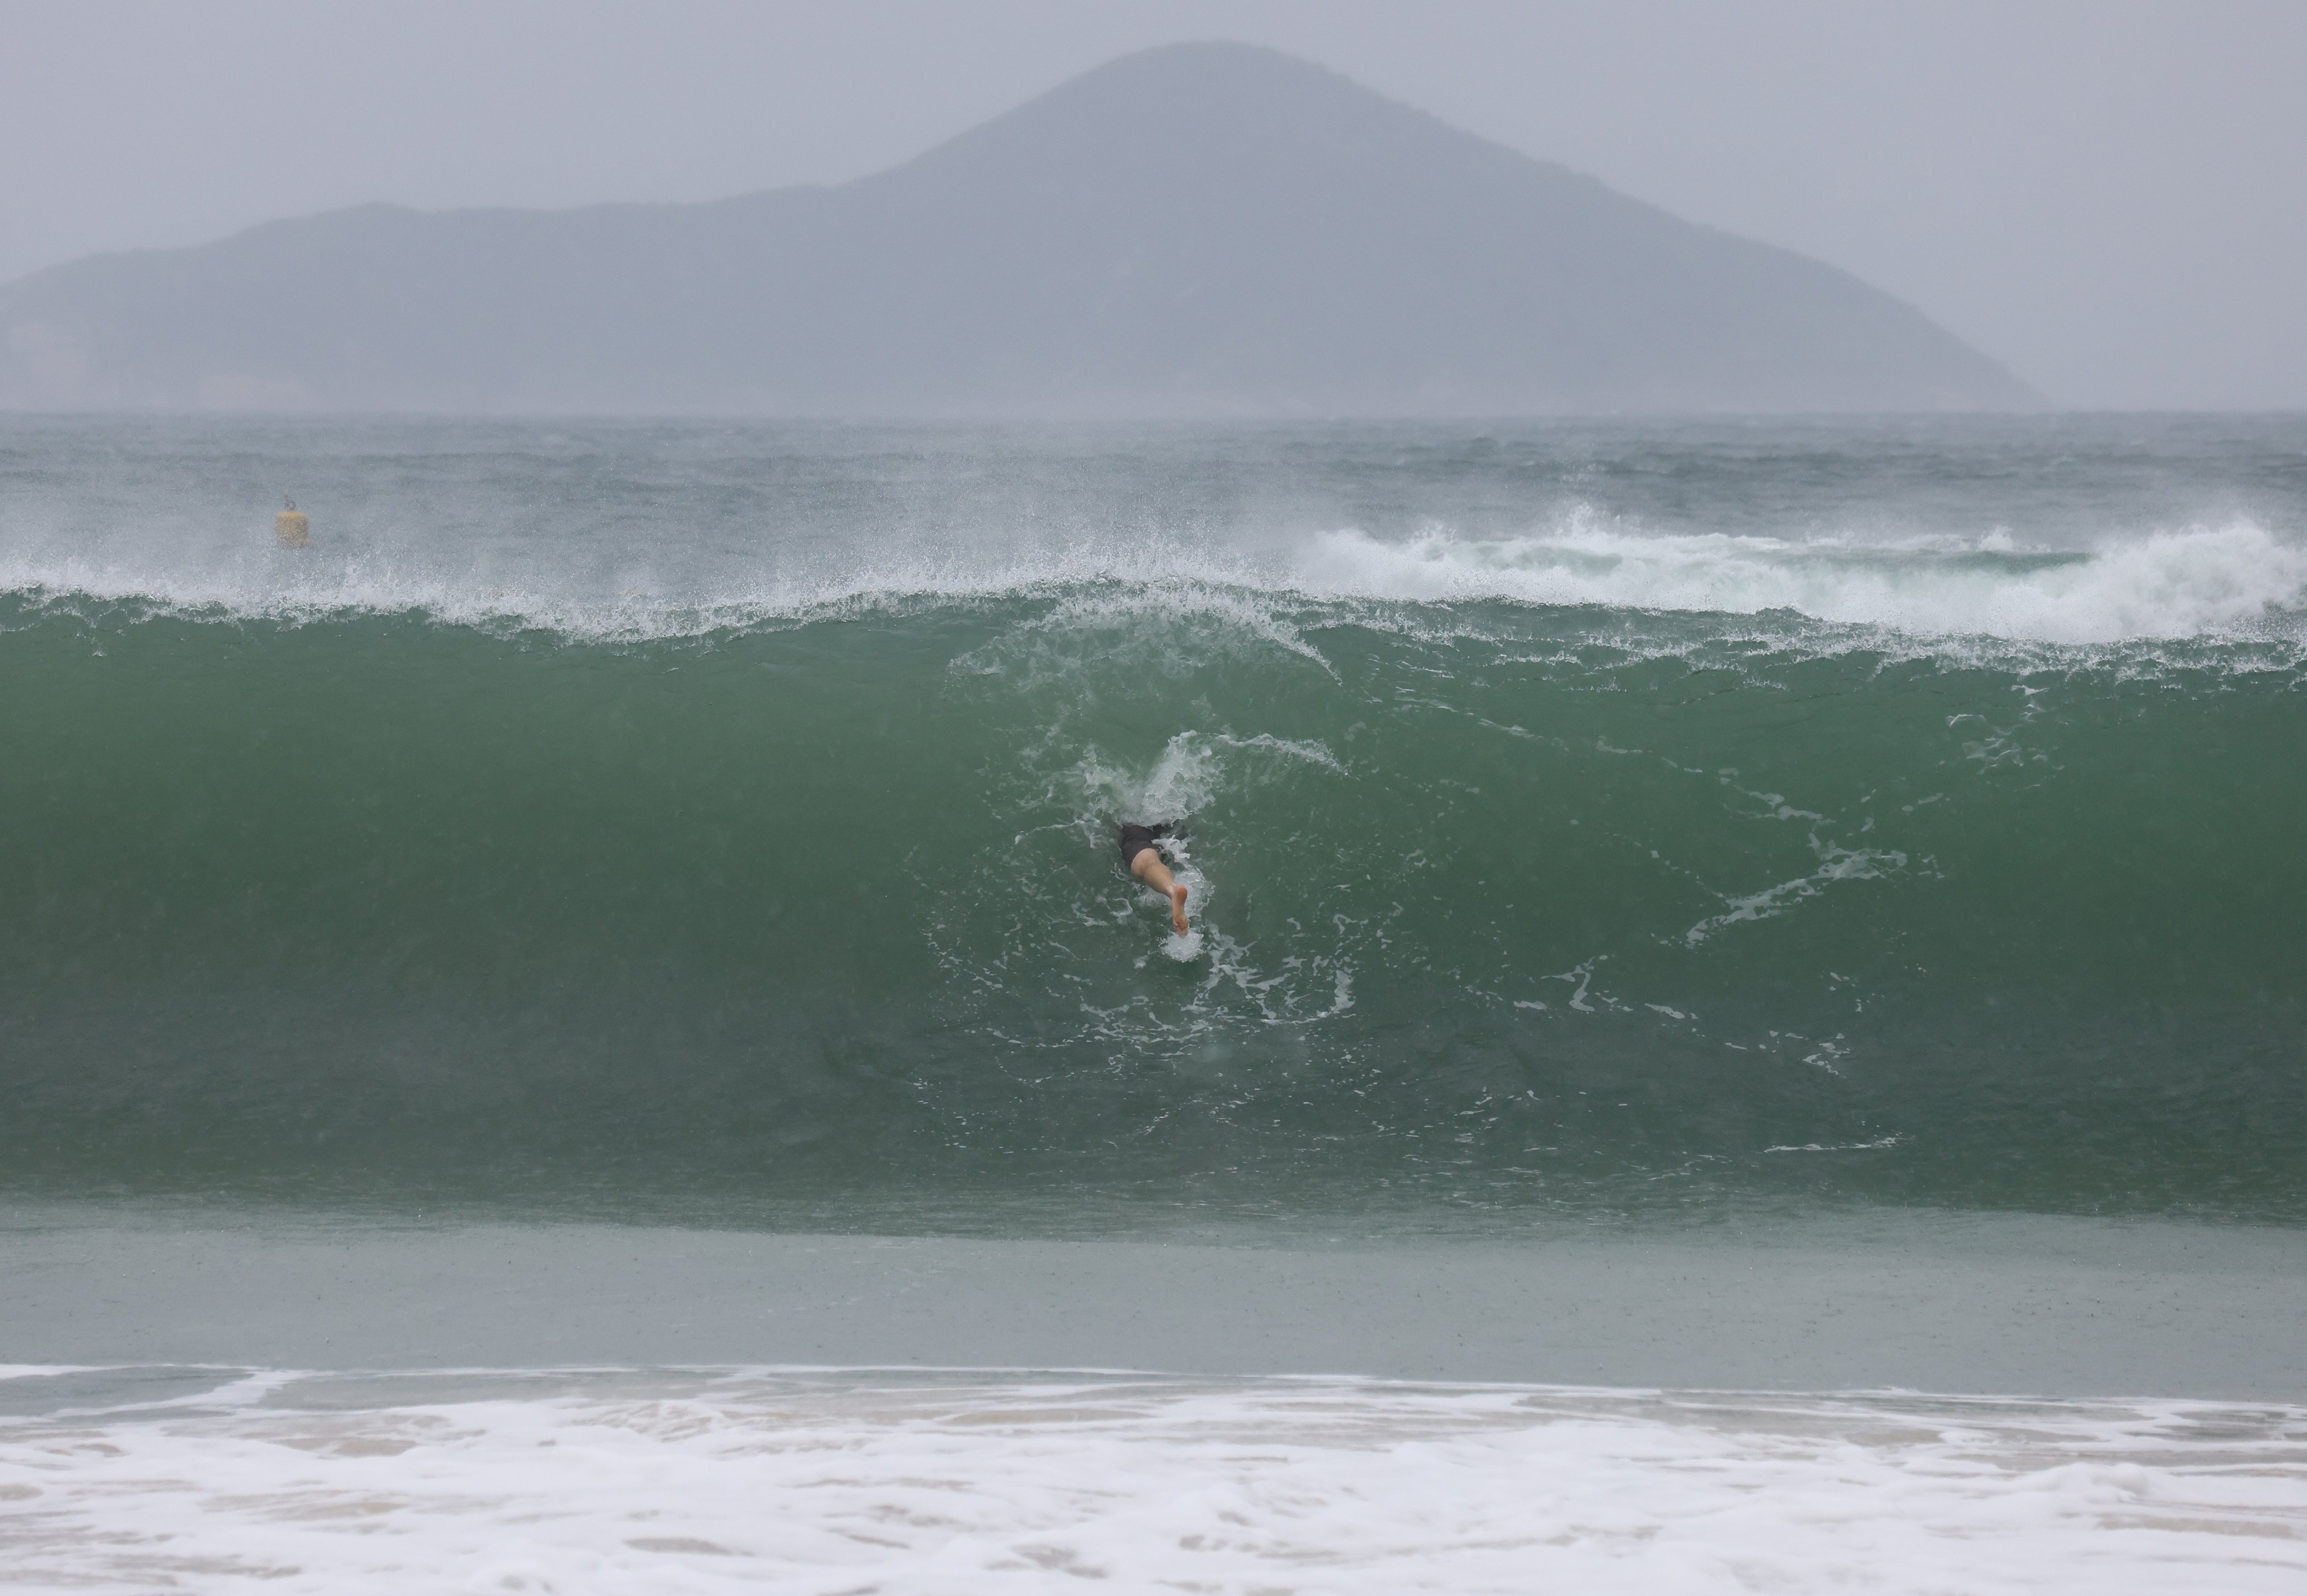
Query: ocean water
[871, 1480]
[1672, 835]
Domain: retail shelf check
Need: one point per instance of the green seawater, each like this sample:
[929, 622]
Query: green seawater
[756, 846]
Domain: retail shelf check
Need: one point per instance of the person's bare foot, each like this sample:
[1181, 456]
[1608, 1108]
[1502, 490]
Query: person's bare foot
[1178, 909]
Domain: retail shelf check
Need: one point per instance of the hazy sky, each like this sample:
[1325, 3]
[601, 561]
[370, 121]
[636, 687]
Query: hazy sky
[2109, 196]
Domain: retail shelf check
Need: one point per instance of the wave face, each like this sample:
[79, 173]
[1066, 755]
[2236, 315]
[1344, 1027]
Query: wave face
[754, 850]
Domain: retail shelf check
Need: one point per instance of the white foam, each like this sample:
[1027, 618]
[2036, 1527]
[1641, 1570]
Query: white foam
[1182, 949]
[1835, 864]
[2237, 579]
[832, 1482]
[1192, 768]
[2192, 582]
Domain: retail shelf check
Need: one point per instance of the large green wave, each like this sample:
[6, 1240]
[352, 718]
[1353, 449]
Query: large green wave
[1499, 905]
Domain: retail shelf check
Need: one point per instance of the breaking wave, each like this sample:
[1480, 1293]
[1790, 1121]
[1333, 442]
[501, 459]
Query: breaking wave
[1497, 903]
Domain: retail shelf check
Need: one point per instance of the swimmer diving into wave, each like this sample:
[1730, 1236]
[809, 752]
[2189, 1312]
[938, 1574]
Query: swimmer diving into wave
[1145, 862]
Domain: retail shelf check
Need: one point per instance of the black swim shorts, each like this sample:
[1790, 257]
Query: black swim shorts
[1137, 839]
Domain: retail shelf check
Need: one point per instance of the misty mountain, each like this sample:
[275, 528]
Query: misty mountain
[1197, 230]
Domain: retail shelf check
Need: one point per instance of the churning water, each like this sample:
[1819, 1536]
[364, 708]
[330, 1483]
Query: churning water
[713, 823]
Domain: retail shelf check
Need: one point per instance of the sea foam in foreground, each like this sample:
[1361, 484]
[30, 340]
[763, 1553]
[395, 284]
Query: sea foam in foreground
[761, 1480]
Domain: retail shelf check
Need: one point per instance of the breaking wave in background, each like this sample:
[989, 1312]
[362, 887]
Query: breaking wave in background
[2236, 581]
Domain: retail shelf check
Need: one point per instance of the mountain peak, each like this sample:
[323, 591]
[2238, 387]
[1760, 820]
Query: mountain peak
[1206, 228]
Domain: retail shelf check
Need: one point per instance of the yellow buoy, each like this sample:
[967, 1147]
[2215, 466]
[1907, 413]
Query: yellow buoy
[293, 527]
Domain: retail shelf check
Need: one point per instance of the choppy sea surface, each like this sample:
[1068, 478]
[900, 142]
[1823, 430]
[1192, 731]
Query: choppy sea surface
[701, 826]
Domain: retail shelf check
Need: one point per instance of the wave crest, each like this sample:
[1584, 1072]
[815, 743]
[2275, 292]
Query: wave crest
[2202, 581]
[2237, 582]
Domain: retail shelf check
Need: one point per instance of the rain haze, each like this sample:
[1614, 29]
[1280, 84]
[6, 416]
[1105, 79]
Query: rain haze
[1441, 798]
[2104, 197]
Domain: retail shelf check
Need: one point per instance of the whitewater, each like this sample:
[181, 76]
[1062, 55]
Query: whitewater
[800, 1481]
[2068, 532]
[584, 1032]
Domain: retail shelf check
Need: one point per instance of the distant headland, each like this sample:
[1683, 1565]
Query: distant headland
[1208, 230]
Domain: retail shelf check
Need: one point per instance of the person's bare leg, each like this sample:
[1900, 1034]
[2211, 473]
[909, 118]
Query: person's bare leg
[1148, 868]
